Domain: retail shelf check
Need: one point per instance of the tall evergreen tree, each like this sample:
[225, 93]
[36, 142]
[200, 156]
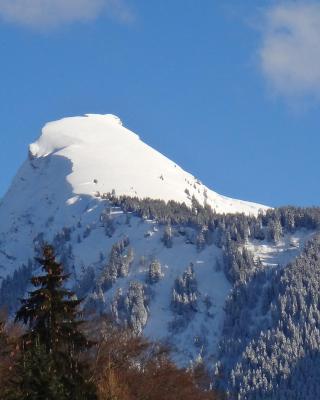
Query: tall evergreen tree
[54, 337]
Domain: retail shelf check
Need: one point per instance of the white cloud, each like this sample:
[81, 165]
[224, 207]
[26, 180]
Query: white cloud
[290, 51]
[52, 13]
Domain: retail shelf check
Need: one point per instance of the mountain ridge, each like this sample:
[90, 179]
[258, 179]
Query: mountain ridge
[106, 156]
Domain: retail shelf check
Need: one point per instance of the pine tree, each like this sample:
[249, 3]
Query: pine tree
[53, 336]
[167, 236]
[200, 241]
[154, 272]
[36, 377]
[275, 230]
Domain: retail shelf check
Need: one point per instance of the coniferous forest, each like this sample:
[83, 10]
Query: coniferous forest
[159, 200]
[61, 339]
[52, 350]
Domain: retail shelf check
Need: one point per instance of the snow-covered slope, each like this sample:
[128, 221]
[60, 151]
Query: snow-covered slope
[203, 282]
[54, 198]
[107, 156]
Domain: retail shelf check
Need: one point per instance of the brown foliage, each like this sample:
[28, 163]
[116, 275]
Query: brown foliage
[127, 367]
[9, 350]
[122, 366]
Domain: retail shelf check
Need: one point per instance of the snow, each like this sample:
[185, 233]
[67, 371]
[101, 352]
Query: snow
[281, 253]
[174, 262]
[56, 187]
[106, 156]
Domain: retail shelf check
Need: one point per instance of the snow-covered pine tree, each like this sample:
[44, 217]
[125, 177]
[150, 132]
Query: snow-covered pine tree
[167, 236]
[185, 293]
[154, 272]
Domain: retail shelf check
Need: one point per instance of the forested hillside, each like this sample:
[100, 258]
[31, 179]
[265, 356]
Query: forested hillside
[225, 284]
[236, 293]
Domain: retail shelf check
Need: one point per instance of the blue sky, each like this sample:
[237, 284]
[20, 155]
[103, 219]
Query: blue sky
[229, 90]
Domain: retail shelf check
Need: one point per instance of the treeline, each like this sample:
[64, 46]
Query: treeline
[227, 231]
[269, 225]
[50, 352]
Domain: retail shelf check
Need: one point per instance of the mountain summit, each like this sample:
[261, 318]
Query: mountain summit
[73, 164]
[218, 288]
[106, 156]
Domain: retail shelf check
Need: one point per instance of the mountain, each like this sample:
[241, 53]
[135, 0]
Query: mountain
[106, 156]
[223, 281]
[60, 188]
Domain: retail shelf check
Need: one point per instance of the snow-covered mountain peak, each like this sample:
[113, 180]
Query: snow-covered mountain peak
[106, 156]
[89, 129]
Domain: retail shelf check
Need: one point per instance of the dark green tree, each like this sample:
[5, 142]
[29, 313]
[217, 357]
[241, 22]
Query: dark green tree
[54, 342]
[36, 377]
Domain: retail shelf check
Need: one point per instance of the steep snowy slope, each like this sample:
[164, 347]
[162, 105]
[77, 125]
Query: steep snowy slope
[107, 156]
[54, 198]
[202, 281]
[76, 158]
